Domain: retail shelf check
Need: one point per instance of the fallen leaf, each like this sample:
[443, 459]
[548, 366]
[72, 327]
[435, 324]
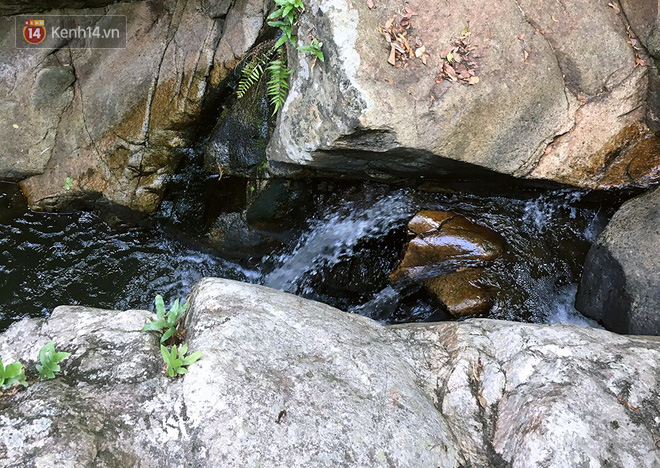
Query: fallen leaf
[420, 51]
[409, 12]
[446, 51]
[525, 55]
[370, 4]
[473, 80]
[554, 19]
[389, 23]
[464, 32]
[425, 58]
[450, 57]
[15, 126]
[450, 72]
[639, 62]
[614, 7]
[392, 59]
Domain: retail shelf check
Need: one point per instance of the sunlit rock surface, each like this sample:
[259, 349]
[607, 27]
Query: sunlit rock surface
[285, 381]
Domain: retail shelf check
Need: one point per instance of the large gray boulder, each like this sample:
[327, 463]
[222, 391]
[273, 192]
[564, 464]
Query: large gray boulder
[285, 381]
[116, 121]
[620, 286]
[559, 95]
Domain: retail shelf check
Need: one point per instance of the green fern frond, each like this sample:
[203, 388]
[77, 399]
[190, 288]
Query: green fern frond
[252, 72]
[278, 85]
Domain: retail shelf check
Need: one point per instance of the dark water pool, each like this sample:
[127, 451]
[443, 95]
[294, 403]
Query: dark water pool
[341, 256]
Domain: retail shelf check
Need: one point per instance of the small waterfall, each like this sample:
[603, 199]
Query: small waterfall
[336, 236]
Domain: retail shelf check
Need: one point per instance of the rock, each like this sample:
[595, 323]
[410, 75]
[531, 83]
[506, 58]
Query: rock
[281, 205]
[444, 242]
[358, 114]
[233, 237]
[644, 21]
[117, 135]
[237, 145]
[284, 381]
[462, 293]
[620, 286]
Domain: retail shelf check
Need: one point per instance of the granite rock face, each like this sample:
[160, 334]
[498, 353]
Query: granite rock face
[285, 381]
[116, 121]
[620, 286]
[560, 95]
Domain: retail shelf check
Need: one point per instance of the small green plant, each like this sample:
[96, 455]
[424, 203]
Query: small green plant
[176, 359]
[278, 85]
[50, 359]
[274, 60]
[166, 322]
[315, 47]
[68, 183]
[12, 374]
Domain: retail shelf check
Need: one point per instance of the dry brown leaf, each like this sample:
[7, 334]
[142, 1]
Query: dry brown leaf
[392, 59]
[473, 80]
[639, 62]
[482, 401]
[525, 55]
[554, 19]
[420, 51]
[370, 4]
[409, 12]
[389, 23]
[425, 58]
[450, 72]
[614, 7]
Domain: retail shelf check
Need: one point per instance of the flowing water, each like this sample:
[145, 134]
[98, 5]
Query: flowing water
[341, 256]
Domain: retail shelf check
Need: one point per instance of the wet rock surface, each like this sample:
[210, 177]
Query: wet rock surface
[358, 114]
[620, 286]
[284, 381]
[446, 253]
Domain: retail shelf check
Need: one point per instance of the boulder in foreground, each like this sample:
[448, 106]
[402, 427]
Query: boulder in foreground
[285, 381]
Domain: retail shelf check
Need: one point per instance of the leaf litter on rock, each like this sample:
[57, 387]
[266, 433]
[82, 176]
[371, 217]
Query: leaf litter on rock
[457, 61]
[403, 46]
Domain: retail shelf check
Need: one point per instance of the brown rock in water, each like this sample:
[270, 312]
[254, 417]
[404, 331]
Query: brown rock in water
[461, 292]
[444, 242]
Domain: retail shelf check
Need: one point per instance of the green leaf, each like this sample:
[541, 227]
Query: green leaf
[160, 306]
[280, 41]
[165, 353]
[193, 358]
[166, 336]
[182, 370]
[156, 325]
[319, 54]
[61, 356]
[13, 370]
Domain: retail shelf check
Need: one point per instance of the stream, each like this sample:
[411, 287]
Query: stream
[339, 253]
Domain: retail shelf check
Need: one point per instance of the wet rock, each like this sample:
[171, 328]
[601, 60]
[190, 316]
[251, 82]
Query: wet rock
[620, 286]
[444, 242]
[237, 145]
[233, 237]
[462, 293]
[357, 114]
[280, 206]
[115, 122]
[445, 254]
[284, 381]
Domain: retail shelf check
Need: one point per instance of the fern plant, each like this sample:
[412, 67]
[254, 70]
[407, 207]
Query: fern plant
[274, 61]
[278, 85]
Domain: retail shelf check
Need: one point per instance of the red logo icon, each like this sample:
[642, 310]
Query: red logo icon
[34, 31]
